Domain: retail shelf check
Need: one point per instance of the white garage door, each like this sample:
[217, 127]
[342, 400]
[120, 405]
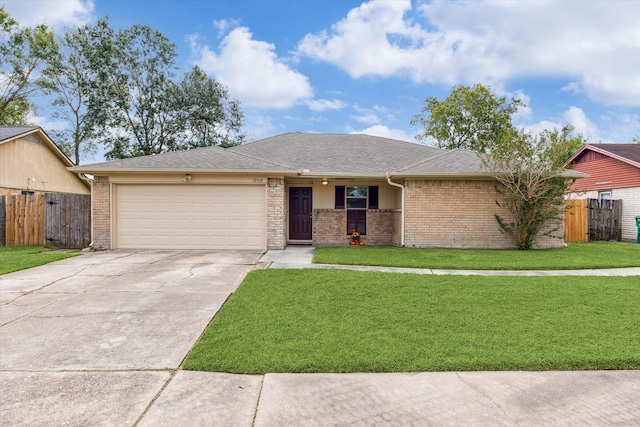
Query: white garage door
[190, 216]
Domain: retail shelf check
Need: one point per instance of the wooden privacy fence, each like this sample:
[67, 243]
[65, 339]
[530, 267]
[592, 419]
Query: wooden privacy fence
[576, 221]
[53, 220]
[24, 220]
[592, 219]
[605, 219]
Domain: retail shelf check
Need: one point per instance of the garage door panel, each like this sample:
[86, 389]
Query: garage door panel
[190, 216]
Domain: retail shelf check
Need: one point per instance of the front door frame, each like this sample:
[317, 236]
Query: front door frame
[303, 220]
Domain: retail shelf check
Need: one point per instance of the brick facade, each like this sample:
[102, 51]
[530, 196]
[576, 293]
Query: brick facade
[101, 234]
[330, 226]
[438, 213]
[457, 214]
[276, 214]
[396, 239]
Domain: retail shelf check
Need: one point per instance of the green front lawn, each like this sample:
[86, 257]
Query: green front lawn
[576, 256]
[14, 258]
[350, 321]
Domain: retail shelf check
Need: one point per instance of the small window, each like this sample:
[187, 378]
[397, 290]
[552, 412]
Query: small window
[605, 195]
[357, 197]
[27, 193]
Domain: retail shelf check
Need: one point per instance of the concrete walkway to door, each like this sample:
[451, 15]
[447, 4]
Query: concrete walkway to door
[302, 257]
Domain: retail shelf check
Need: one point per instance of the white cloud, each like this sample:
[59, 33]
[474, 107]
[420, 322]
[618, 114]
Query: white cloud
[46, 124]
[575, 117]
[59, 13]
[578, 119]
[385, 132]
[325, 104]
[595, 44]
[369, 119]
[253, 72]
[225, 25]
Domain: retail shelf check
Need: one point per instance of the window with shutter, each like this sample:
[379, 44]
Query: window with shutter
[340, 198]
[373, 197]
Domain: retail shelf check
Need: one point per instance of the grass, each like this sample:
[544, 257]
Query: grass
[350, 321]
[576, 256]
[14, 258]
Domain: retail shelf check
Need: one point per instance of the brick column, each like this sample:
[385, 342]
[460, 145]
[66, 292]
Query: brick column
[101, 212]
[276, 214]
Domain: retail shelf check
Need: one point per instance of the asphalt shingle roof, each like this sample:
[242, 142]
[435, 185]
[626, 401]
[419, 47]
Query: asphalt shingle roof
[208, 158]
[7, 132]
[337, 153]
[449, 162]
[628, 151]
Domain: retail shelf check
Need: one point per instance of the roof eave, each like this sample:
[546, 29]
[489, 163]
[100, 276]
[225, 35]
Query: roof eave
[409, 175]
[310, 174]
[108, 171]
[604, 152]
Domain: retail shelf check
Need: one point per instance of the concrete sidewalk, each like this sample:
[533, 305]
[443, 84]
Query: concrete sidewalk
[302, 257]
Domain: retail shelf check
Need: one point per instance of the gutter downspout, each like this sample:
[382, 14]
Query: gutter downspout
[395, 184]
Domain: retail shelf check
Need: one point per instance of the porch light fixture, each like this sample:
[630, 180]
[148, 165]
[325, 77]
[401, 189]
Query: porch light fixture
[187, 177]
[325, 181]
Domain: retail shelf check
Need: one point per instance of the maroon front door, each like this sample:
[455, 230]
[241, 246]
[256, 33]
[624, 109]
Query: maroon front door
[300, 213]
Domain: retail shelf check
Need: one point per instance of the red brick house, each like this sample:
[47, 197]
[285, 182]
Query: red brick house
[614, 171]
[298, 188]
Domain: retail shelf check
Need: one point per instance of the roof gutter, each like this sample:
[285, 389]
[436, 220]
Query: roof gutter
[108, 171]
[395, 184]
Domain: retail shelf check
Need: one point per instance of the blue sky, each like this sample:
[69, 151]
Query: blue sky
[341, 66]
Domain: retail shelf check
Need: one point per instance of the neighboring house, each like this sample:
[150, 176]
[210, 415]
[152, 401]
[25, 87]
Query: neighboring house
[298, 188]
[614, 171]
[30, 163]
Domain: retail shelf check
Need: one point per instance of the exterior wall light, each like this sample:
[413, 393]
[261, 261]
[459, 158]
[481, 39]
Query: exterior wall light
[187, 177]
[325, 181]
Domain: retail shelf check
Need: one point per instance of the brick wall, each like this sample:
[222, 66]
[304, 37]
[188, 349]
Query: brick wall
[457, 214]
[396, 239]
[101, 233]
[630, 209]
[330, 226]
[380, 226]
[276, 214]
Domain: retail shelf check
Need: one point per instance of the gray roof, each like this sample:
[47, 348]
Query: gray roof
[311, 154]
[7, 132]
[448, 162]
[207, 158]
[338, 153]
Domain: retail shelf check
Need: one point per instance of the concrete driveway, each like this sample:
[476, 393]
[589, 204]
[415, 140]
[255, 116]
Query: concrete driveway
[97, 340]
[93, 339]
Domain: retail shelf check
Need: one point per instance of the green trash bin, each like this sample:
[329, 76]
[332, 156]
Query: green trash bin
[638, 226]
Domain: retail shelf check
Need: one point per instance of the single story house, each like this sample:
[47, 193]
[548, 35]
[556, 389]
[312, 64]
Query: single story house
[614, 171]
[31, 163]
[298, 188]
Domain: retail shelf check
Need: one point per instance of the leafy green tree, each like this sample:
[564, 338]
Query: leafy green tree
[24, 57]
[530, 170]
[470, 117]
[134, 91]
[205, 113]
[72, 82]
[141, 109]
